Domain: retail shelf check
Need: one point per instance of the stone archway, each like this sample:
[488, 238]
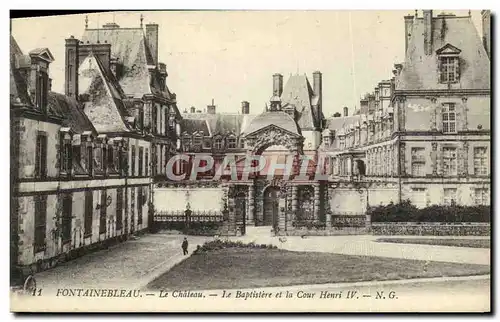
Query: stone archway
[260, 140]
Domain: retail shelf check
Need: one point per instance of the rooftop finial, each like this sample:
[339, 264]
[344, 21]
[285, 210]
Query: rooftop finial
[469, 13]
[142, 18]
[86, 22]
[416, 13]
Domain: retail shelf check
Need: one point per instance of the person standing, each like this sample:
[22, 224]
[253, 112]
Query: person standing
[185, 246]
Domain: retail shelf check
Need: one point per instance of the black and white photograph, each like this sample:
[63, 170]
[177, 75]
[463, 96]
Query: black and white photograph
[251, 161]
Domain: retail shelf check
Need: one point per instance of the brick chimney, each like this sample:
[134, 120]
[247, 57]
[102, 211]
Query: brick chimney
[486, 31]
[38, 76]
[428, 32]
[408, 30]
[277, 85]
[152, 39]
[211, 108]
[245, 107]
[318, 91]
[346, 111]
[193, 109]
[71, 67]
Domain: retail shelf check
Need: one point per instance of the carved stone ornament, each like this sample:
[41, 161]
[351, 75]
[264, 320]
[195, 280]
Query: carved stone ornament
[259, 141]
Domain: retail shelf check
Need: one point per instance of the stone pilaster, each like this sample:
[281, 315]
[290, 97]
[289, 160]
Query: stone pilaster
[402, 158]
[317, 201]
[463, 121]
[282, 211]
[465, 158]
[251, 205]
[434, 159]
[328, 210]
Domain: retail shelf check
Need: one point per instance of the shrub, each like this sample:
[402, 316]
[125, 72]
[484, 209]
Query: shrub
[219, 244]
[406, 212]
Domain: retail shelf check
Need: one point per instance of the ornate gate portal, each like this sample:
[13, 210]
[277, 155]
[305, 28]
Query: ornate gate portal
[271, 206]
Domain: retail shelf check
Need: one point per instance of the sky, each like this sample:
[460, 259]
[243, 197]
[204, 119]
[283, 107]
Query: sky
[230, 56]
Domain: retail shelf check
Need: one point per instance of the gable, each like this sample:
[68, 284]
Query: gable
[448, 49]
[271, 127]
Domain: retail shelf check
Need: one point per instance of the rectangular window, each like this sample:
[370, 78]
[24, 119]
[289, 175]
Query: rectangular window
[41, 156]
[481, 196]
[231, 143]
[242, 143]
[418, 162]
[139, 205]
[218, 143]
[450, 161]
[111, 159]
[146, 163]
[67, 217]
[66, 157]
[102, 215]
[90, 158]
[119, 208]
[449, 118]
[207, 144]
[480, 161]
[342, 144]
[450, 196]
[197, 141]
[419, 197]
[40, 222]
[186, 142]
[89, 211]
[132, 161]
[141, 155]
[449, 69]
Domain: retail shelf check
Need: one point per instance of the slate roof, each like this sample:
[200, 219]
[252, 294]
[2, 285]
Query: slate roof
[130, 47]
[298, 93]
[278, 118]
[103, 103]
[18, 84]
[221, 123]
[337, 123]
[420, 71]
[72, 114]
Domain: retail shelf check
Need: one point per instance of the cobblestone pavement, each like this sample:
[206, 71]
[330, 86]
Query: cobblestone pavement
[131, 264]
[366, 245]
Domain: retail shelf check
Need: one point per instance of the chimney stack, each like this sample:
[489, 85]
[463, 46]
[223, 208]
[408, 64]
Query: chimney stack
[152, 39]
[428, 32]
[245, 107]
[71, 68]
[211, 108]
[346, 111]
[318, 91]
[408, 30]
[486, 31]
[193, 109]
[277, 85]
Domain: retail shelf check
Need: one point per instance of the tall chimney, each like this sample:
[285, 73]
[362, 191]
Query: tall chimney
[486, 31]
[346, 111]
[427, 32]
[71, 68]
[277, 85]
[152, 39]
[193, 109]
[318, 91]
[245, 107]
[408, 30]
[211, 108]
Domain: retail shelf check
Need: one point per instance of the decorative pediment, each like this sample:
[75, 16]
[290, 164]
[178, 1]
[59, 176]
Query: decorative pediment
[271, 135]
[42, 53]
[448, 50]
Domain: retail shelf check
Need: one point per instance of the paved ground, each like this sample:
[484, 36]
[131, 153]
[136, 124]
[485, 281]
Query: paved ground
[131, 264]
[136, 262]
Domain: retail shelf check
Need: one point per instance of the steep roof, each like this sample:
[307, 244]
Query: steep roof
[130, 47]
[72, 114]
[278, 118]
[103, 103]
[420, 71]
[221, 123]
[18, 84]
[337, 123]
[298, 93]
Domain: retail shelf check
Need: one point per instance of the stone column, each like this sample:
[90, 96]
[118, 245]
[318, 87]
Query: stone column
[282, 212]
[317, 201]
[328, 215]
[251, 205]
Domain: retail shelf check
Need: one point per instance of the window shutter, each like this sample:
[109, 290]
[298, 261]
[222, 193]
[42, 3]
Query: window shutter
[43, 162]
[38, 156]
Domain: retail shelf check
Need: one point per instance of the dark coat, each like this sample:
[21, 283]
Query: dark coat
[185, 244]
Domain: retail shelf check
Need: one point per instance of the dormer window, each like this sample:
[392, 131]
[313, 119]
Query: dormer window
[218, 143]
[449, 67]
[231, 142]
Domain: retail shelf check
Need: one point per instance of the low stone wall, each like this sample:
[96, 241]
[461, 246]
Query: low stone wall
[330, 231]
[431, 229]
